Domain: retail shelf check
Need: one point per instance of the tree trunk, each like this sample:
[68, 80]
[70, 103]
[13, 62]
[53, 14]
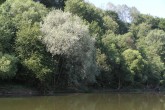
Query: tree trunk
[119, 83]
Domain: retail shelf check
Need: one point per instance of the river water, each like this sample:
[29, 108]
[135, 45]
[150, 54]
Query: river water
[93, 101]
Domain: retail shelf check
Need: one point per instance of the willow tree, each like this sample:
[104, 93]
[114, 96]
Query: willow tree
[68, 40]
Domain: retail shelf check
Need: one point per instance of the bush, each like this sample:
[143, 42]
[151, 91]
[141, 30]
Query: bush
[8, 66]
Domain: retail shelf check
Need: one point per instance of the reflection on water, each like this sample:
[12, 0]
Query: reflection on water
[101, 101]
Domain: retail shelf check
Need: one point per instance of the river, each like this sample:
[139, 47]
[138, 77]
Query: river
[92, 101]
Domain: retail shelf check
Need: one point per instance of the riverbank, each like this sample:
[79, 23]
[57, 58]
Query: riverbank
[20, 90]
[17, 90]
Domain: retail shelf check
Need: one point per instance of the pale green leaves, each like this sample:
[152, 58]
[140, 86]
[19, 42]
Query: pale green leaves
[65, 35]
[8, 66]
[134, 61]
[34, 63]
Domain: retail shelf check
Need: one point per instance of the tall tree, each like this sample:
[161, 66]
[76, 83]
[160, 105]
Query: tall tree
[68, 39]
[13, 15]
[153, 48]
[126, 14]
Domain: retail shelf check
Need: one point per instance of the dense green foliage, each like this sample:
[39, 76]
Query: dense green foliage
[67, 38]
[80, 46]
[59, 4]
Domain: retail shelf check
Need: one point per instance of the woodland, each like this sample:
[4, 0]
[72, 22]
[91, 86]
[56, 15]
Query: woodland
[60, 44]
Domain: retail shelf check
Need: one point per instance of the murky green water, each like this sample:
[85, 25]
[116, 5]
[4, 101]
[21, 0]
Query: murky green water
[100, 101]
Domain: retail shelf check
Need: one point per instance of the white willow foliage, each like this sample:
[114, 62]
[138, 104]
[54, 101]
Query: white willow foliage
[65, 34]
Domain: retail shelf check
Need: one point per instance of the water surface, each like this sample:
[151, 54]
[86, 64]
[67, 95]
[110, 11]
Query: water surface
[94, 101]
